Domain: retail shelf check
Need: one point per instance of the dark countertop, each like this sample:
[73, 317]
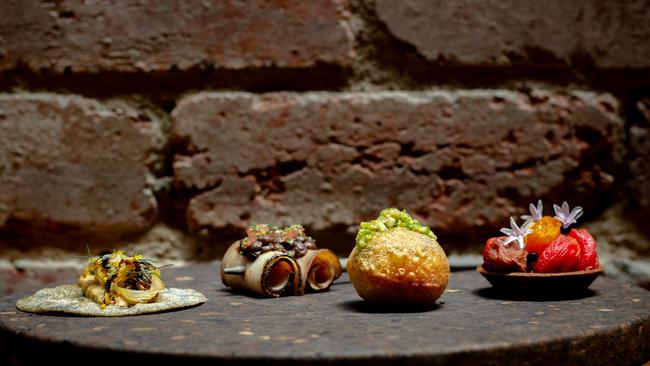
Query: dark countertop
[471, 325]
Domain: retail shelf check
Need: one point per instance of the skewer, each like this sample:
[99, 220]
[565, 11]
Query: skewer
[240, 270]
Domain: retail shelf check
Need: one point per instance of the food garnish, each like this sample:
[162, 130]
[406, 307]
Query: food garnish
[516, 233]
[261, 239]
[390, 218]
[566, 216]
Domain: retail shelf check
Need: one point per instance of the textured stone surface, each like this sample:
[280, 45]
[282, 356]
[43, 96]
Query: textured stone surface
[16, 278]
[471, 325]
[623, 239]
[136, 35]
[609, 34]
[68, 163]
[639, 150]
[458, 160]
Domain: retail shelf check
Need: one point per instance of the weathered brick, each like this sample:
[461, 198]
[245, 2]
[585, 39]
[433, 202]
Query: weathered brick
[133, 35]
[639, 154]
[612, 34]
[69, 163]
[458, 160]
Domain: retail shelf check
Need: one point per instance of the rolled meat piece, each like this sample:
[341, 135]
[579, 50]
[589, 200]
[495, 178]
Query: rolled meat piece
[319, 269]
[274, 261]
[272, 273]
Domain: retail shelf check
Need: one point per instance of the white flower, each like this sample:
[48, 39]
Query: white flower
[517, 233]
[567, 217]
[535, 212]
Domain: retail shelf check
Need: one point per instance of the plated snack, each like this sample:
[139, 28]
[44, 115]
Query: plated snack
[117, 279]
[396, 260]
[543, 247]
[113, 285]
[274, 262]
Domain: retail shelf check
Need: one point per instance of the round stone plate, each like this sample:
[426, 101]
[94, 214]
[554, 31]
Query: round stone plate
[541, 282]
[470, 325]
[68, 299]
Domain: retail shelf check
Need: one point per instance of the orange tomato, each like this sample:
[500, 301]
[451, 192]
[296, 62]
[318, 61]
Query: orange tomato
[544, 232]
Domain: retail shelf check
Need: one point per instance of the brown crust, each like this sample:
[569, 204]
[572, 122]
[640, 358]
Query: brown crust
[391, 291]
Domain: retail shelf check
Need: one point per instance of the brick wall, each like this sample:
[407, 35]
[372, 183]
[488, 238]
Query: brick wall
[167, 129]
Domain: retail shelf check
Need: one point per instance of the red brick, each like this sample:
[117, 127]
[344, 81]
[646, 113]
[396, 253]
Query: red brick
[133, 35]
[71, 164]
[613, 34]
[458, 160]
[639, 155]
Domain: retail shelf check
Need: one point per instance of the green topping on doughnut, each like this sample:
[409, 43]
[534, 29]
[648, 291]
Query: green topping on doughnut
[390, 218]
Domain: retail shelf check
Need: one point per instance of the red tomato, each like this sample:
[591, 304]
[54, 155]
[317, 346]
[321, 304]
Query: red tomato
[561, 255]
[588, 257]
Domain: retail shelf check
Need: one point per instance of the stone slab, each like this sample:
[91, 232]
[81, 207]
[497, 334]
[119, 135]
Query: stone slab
[470, 325]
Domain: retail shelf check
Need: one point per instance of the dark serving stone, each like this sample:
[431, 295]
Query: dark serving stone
[541, 284]
[472, 324]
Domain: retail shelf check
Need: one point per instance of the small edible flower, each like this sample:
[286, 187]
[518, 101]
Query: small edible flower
[566, 216]
[517, 233]
[535, 212]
